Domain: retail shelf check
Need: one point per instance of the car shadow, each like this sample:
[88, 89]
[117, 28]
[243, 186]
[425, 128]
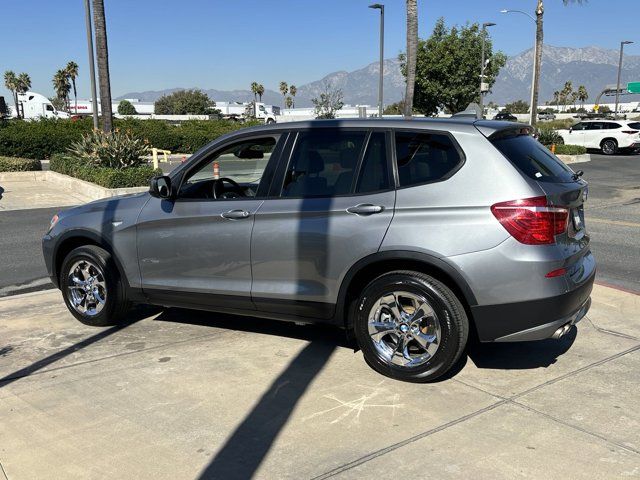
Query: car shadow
[520, 355]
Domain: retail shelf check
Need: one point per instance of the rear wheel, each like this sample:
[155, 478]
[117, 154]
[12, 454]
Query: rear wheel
[92, 288]
[609, 146]
[410, 326]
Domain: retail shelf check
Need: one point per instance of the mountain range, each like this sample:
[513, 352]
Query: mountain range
[593, 67]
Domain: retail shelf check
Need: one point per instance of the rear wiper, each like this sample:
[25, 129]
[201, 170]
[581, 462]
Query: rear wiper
[577, 175]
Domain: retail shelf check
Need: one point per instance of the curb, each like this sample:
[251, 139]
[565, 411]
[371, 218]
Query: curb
[88, 189]
[586, 157]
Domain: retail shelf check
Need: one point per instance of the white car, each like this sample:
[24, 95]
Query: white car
[610, 136]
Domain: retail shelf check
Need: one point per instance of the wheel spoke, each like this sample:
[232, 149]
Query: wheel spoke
[391, 302]
[400, 354]
[380, 329]
[425, 340]
[422, 311]
[99, 298]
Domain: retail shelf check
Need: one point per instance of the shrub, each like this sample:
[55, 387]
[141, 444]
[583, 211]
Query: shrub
[125, 107]
[560, 124]
[12, 164]
[570, 150]
[185, 102]
[104, 176]
[548, 136]
[116, 149]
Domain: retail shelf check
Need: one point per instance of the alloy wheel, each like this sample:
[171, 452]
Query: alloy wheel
[86, 288]
[404, 329]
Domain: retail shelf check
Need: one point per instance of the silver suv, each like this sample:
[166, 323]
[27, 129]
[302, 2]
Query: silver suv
[408, 234]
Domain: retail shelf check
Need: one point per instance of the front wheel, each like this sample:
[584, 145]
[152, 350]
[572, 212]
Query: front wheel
[92, 288]
[609, 147]
[410, 326]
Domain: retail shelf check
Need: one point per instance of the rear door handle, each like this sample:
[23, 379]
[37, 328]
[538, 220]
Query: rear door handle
[236, 214]
[365, 209]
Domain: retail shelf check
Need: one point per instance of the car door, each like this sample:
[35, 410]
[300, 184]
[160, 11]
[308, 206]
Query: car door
[333, 200]
[593, 135]
[196, 248]
[575, 136]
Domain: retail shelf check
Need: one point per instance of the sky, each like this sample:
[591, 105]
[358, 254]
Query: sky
[227, 44]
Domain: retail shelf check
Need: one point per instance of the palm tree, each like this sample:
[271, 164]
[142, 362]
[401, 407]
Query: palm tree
[412, 54]
[11, 82]
[24, 82]
[539, 42]
[254, 90]
[288, 102]
[574, 98]
[566, 92]
[102, 55]
[72, 72]
[293, 90]
[582, 94]
[62, 86]
[284, 88]
[260, 91]
[556, 98]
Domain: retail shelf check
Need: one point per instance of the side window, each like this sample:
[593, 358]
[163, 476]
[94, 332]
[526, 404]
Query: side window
[595, 126]
[243, 163]
[425, 157]
[374, 172]
[612, 126]
[580, 126]
[323, 163]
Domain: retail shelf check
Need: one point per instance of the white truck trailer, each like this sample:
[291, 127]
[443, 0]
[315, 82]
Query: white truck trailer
[34, 106]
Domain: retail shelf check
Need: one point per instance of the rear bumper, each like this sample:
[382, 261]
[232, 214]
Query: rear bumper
[534, 319]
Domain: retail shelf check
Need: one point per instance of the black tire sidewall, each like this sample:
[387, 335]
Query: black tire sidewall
[613, 150]
[103, 260]
[449, 342]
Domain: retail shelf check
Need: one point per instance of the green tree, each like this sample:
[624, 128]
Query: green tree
[293, 90]
[284, 89]
[519, 106]
[185, 102]
[396, 108]
[72, 72]
[329, 102]
[102, 59]
[556, 97]
[582, 95]
[24, 82]
[254, 90]
[125, 107]
[62, 87]
[288, 102]
[565, 94]
[447, 68]
[411, 56]
[57, 103]
[11, 83]
[260, 91]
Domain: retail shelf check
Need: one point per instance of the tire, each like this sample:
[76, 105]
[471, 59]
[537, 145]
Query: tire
[609, 146]
[445, 321]
[93, 264]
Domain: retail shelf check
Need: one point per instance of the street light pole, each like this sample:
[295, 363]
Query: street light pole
[92, 68]
[380, 7]
[483, 66]
[534, 109]
[622, 44]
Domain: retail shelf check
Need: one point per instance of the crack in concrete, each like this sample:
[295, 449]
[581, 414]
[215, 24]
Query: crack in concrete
[4, 474]
[610, 332]
[464, 418]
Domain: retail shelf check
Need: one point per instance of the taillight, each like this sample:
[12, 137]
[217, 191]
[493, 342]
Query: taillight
[531, 220]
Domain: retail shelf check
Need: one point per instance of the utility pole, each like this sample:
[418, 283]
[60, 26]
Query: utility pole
[483, 66]
[92, 68]
[622, 44]
[380, 7]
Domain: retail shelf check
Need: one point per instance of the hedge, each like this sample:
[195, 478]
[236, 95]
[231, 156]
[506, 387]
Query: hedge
[103, 176]
[13, 164]
[570, 150]
[44, 138]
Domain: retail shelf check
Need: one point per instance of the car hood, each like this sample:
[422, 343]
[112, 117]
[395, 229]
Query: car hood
[110, 204]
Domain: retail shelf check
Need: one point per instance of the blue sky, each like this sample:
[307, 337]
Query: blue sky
[227, 44]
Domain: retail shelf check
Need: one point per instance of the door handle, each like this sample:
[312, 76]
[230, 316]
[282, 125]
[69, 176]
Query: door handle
[236, 214]
[365, 209]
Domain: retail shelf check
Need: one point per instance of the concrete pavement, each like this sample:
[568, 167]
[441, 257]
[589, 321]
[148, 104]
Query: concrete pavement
[184, 394]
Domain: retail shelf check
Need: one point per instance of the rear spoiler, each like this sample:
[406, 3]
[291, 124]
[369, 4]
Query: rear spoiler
[496, 129]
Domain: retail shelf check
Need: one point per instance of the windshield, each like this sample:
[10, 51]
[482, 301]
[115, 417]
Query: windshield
[533, 159]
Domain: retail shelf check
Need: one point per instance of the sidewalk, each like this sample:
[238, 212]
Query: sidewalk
[28, 190]
[182, 393]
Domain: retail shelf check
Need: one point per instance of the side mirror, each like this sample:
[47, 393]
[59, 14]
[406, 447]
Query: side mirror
[160, 187]
[570, 129]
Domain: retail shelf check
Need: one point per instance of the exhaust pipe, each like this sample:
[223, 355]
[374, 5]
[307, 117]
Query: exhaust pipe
[563, 330]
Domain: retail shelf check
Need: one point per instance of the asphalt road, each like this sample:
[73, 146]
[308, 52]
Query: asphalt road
[613, 220]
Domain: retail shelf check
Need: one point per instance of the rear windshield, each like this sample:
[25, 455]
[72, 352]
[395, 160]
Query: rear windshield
[533, 159]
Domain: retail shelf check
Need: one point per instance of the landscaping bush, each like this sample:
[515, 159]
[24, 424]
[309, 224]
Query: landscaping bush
[43, 138]
[570, 150]
[104, 176]
[116, 149]
[548, 136]
[12, 164]
[559, 124]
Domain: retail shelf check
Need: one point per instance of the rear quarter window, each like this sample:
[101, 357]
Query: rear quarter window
[532, 158]
[635, 125]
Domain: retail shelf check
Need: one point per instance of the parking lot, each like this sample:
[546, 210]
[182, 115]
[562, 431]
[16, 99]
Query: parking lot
[185, 394]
